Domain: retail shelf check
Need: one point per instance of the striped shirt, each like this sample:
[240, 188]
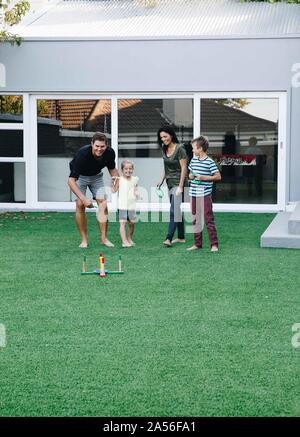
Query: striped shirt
[203, 167]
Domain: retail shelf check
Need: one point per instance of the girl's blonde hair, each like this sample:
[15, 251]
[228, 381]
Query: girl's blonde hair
[125, 162]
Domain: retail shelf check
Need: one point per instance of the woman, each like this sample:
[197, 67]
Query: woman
[175, 173]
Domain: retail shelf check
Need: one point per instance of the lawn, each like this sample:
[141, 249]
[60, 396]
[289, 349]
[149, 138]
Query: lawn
[179, 334]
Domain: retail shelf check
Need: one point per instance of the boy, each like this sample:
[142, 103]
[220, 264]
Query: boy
[203, 172]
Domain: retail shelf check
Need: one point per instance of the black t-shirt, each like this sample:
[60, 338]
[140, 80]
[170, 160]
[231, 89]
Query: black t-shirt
[85, 164]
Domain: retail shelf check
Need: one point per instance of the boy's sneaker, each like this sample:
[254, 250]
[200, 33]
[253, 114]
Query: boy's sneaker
[214, 249]
[193, 248]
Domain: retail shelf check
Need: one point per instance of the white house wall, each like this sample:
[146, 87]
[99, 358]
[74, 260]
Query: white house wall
[166, 66]
[294, 182]
[150, 65]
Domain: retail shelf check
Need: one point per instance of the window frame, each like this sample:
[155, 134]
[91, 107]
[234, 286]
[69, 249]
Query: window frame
[30, 157]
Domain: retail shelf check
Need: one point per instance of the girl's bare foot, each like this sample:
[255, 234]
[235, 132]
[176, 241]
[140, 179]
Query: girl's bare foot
[126, 244]
[132, 243]
[83, 244]
[107, 243]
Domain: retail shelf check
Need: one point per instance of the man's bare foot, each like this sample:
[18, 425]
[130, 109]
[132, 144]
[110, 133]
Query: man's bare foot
[83, 244]
[178, 240]
[167, 243]
[107, 243]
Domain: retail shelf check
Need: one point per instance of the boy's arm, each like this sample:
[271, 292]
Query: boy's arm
[214, 178]
[191, 174]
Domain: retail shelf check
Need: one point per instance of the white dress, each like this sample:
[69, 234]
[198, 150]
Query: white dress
[127, 199]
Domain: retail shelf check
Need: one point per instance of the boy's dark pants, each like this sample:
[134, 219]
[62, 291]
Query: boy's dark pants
[197, 206]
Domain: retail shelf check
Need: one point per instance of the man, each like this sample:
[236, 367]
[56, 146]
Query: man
[86, 171]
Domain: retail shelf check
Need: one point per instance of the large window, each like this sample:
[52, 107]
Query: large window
[63, 127]
[138, 123]
[243, 136]
[12, 161]
[40, 135]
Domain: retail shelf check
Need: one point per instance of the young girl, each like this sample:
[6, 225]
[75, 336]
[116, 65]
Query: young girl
[128, 194]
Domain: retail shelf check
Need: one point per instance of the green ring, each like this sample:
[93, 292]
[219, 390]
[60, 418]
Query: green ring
[159, 192]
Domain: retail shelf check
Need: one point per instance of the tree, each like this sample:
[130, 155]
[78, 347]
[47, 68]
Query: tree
[233, 103]
[14, 105]
[274, 1]
[148, 3]
[11, 13]
[11, 104]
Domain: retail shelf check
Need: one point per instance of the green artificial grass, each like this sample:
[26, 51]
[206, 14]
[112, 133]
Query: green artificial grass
[179, 334]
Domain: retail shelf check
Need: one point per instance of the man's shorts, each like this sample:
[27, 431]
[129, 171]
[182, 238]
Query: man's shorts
[94, 183]
[127, 215]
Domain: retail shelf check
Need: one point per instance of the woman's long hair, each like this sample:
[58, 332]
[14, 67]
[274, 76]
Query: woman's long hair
[169, 130]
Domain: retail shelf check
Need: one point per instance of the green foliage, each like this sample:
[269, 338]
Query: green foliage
[148, 3]
[11, 105]
[14, 105]
[42, 108]
[274, 1]
[233, 103]
[11, 13]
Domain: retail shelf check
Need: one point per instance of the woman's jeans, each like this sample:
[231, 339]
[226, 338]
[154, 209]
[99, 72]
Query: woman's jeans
[176, 216]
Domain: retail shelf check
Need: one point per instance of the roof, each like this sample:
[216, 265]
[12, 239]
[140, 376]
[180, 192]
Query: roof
[72, 113]
[131, 19]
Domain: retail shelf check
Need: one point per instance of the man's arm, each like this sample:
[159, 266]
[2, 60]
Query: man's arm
[88, 203]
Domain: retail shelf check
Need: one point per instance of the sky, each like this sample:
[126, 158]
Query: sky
[263, 108]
